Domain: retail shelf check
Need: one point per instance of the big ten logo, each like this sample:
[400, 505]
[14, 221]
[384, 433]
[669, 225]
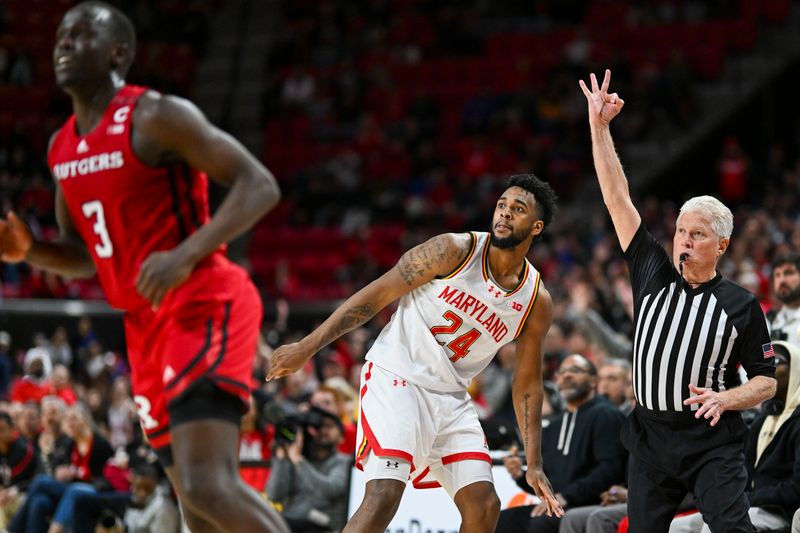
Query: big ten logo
[516, 306]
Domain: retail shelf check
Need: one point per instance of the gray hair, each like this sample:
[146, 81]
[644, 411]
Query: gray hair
[55, 400]
[624, 364]
[721, 217]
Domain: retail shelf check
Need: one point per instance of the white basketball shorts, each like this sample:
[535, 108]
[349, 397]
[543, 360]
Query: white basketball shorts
[438, 433]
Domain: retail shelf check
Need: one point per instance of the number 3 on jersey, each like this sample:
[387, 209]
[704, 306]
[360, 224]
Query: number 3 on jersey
[94, 210]
[460, 345]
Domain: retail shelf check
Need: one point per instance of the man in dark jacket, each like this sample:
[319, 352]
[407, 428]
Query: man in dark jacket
[581, 450]
[772, 452]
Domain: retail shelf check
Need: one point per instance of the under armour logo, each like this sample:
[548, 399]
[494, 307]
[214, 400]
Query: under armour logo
[494, 292]
[392, 464]
[399, 383]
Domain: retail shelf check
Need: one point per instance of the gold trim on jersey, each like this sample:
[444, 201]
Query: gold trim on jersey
[530, 305]
[459, 268]
[485, 271]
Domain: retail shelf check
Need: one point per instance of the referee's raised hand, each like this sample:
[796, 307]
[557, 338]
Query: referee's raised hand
[603, 107]
[711, 403]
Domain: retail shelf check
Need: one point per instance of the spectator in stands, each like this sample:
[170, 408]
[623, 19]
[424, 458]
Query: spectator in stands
[785, 322]
[348, 395]
[52, 443]
[614, 383]
[309, 477]
[35, 384]
[146, 508]
[6, 363]
[85, 336]
[30, 421]
[97, 366]
[61, 385]
[495, 384]
[121, 413]
[255, 444]
[77, 472]
[582, 455]
[772, 452]
[609, 515]
[595, 327]
[60, 349]
[18, 465]
[603, 518]
[330, 400]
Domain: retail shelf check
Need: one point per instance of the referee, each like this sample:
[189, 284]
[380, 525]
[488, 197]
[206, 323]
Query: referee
[693, 328]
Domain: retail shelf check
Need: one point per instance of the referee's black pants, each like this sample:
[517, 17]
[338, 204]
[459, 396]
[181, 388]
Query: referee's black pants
[672, 454]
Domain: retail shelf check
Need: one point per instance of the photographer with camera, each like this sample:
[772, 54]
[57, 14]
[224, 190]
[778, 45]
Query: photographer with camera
[309, 476]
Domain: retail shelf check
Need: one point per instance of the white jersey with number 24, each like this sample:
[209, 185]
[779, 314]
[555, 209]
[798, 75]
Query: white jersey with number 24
[446, 332]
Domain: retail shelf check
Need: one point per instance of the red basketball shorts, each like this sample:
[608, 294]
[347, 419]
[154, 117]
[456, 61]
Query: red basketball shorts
[208, 331]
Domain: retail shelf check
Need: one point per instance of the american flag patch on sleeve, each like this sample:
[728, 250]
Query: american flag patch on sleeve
[768, 351]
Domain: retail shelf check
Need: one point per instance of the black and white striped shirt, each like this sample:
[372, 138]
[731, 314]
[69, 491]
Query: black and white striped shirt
[689, 335]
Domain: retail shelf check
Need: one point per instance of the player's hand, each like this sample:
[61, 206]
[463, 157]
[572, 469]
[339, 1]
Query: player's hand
[712, 404]
[288, 359]
[603, 107]
[540, 509]
[162, 272]
[541, 486]
[16, 239]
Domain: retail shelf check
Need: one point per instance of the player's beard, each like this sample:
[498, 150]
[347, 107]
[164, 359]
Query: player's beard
[511, 241]
[790, 297]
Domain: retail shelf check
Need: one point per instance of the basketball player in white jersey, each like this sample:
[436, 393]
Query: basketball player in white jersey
[462, 296]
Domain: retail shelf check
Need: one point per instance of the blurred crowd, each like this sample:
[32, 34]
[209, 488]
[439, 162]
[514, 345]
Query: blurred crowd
[386, 122]
[407, 115]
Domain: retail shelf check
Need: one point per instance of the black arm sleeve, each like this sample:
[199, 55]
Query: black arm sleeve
[754, 339]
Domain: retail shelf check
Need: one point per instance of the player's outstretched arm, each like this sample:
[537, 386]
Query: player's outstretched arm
[527, 393]
[603, 107]
[436, 257]
[167, 130]
[67, 255]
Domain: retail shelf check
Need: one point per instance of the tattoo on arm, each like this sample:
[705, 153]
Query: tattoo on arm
[351, 319]
[527, 398]
[419, 261]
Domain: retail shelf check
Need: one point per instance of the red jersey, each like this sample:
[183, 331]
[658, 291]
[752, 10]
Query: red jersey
[123, 209]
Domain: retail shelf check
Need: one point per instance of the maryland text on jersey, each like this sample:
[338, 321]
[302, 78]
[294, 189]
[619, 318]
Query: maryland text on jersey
[89, 165]
[463, 302]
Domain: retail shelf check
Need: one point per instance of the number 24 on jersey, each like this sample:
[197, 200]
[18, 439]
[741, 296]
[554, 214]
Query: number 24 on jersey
[461, 344]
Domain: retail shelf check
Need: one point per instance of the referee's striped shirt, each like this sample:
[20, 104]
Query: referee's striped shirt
[689, 335]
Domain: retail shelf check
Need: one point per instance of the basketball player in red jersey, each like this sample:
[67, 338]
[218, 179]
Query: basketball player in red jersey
[130, 167]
